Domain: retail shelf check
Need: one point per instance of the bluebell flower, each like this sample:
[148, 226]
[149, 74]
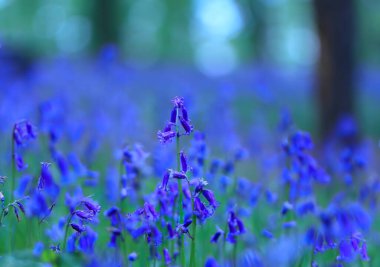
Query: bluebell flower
[132, 256]
[363, 252]
[84, 214]
[186, 125]
[2, 200]
[209, 195]
[346, 251]
[86, 242]
[184, 165]
[115, 234]
[289, 224]
[305, 207]
[217, 235]
[211, 262]
[183, 228]
[148, 211]
[235, 227]
[215, 166]
[165, 180]
[178, 175]
[286, 206]
[38, 249]
[55, 248]
[77, 227]
[23, 131]
[167, 257]
[20, 164]
[266, 233]
[171, 232]
[71, 242]
[91, 205]
[167, 135]
[46, 181]
[200, 209]
[114, 216]
[24, 182]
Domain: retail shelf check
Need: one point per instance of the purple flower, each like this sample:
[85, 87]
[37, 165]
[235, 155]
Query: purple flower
[166, 136]
[114, 215]
[2, 199]
[178, 175]
[183, 162]
[148, 211]
[186, 125]
[38, 249]
[200, 209]
[185, 114]
[23, 131]
[266, 233]
[87, 241]
[209, 195]
[115, 234]
[46, 178]
[173, 116]
[363, 252]
[91, 205]
[170, 231]
[15, 209]
[346, 251]
[20, 206]
[30, 129]
[85, 214]
[165, 180]
[55, 248]
[132, 256]
[182, 228]
[20, 164]
[217, 235]
[77, 227]
[235, 227]
[211, 262]
[166, 256]
[290, 224]
[178, 102]
[286, 207]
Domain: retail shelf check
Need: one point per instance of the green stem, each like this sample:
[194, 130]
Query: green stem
[234, 254]
[224, 242]
[2, 216]
[180, 205]
[13, 182]
[194, 232]
[312, 257]
[13, 178]
[66, 232]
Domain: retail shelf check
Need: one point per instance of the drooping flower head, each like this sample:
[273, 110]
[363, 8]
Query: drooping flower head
[23, 131]
[235, 227]
[178, 117]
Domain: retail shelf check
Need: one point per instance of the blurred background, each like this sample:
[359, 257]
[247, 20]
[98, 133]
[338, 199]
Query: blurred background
[240, 62]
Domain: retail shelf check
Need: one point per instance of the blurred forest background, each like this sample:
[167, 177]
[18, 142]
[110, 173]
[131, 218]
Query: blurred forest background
[321, 57]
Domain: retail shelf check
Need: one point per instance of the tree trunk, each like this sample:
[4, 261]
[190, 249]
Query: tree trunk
[106, 17]
[335, 22]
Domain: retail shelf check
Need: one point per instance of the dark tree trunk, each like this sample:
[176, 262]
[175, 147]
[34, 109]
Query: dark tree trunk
[106, 22]
[335, 22]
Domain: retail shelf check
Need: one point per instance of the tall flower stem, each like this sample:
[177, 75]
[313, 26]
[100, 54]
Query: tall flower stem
[13, 178]
[194, 232]
[180, 205]
[13, 184]
[234, 255]
[66, 232]
[124, 243]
